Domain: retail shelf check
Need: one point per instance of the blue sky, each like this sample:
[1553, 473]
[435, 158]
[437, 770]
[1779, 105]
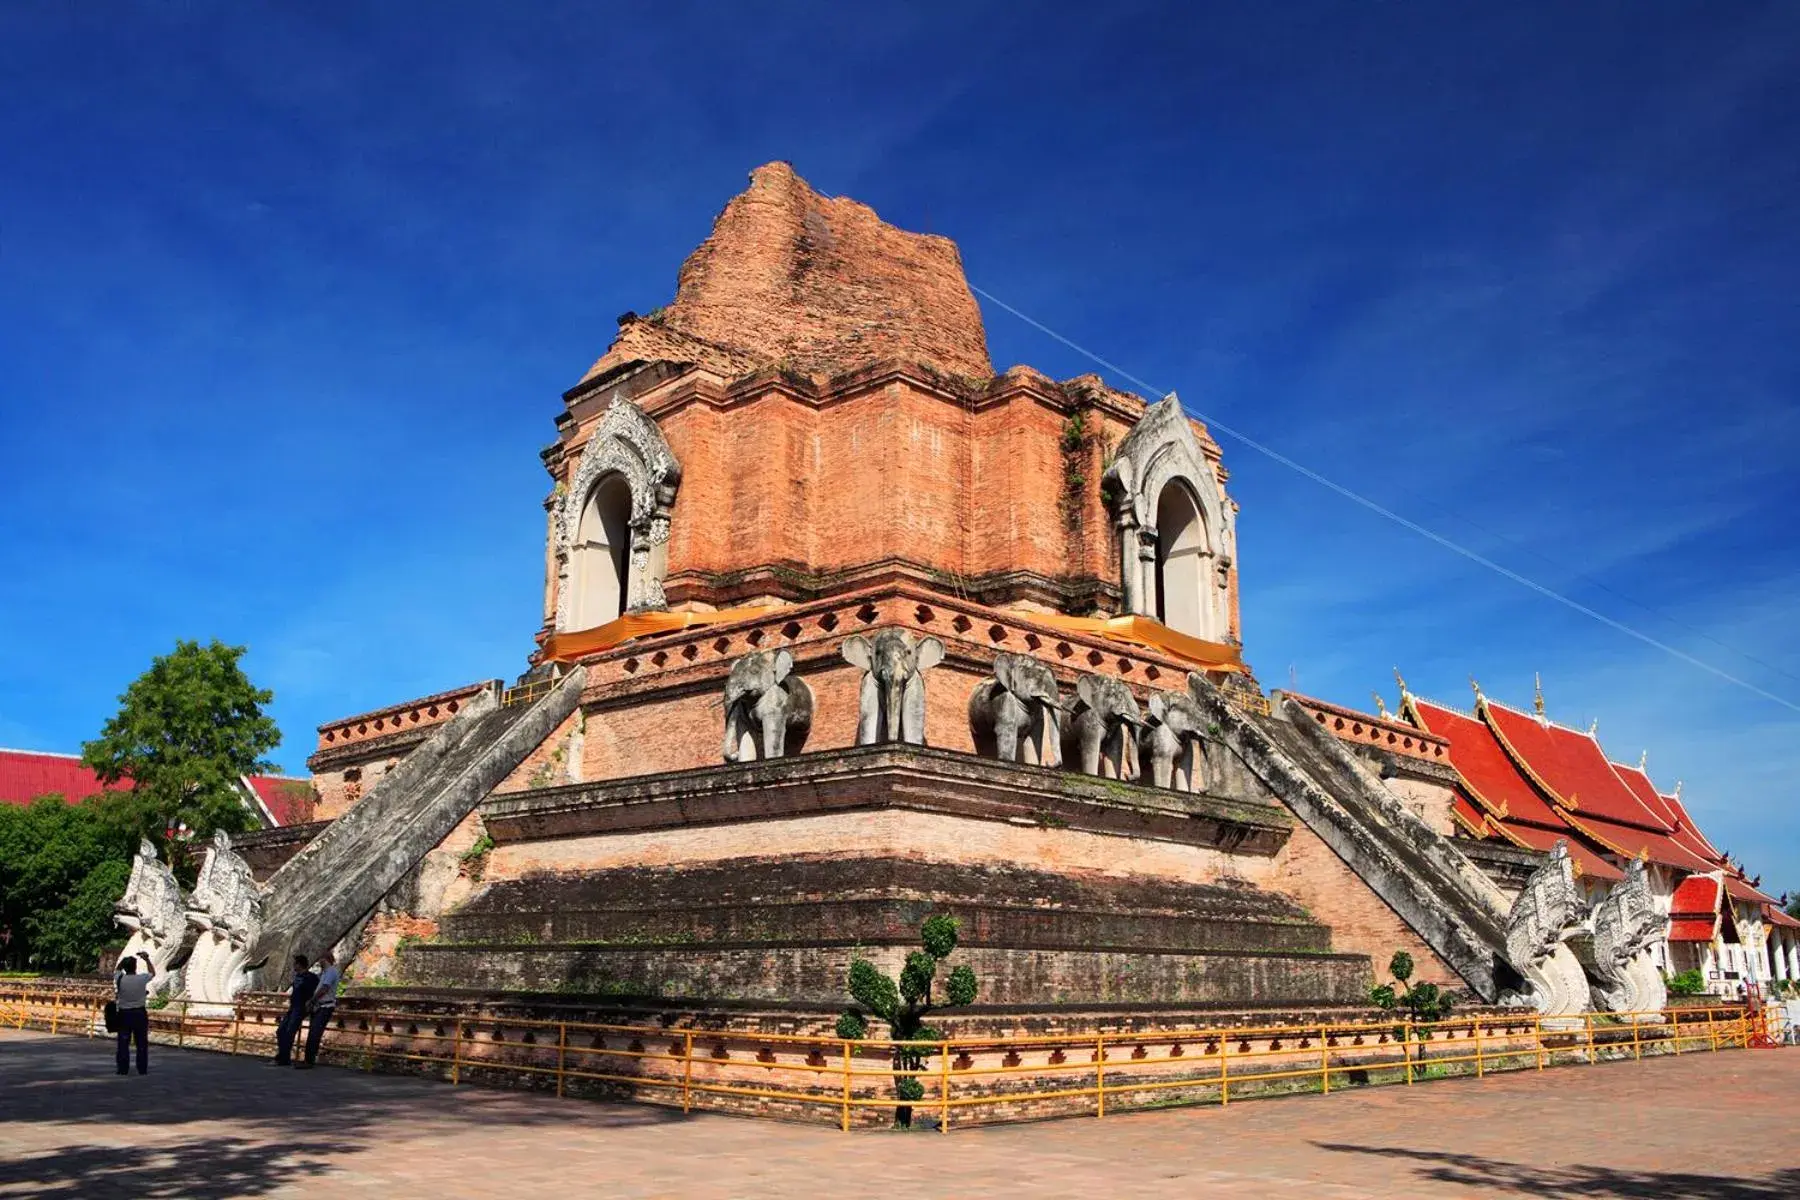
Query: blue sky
[288, 295]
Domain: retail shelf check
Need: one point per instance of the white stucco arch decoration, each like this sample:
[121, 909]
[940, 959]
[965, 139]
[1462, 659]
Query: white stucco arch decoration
[627, 443]
[1160, 449]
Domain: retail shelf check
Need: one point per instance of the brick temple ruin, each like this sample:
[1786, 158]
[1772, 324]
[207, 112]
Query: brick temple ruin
[841, 628]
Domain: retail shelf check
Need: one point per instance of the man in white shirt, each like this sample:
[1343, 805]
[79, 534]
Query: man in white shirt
[324, 1006]
[133, 998]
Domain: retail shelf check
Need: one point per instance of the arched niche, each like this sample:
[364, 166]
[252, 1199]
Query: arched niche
[1182, 557]
[600, 554]
[612, 526]
[1177, 531]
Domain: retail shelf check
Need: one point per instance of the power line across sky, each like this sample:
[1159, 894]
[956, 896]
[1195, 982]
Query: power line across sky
[1382, 510]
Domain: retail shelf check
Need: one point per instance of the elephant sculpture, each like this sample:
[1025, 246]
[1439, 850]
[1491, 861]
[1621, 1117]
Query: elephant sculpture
[768, 710]
[1172, 744]
[891, 706]
[1017, 715]
[1105, 727]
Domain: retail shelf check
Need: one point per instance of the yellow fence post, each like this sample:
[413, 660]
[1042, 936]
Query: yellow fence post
[1712, 1027]
[1100, 1076]
[1224, 1073]
[237, 1022]
[687, 1071]
[562, 1046]
[846, 1086]
[181, 1024]
[456, 1055]
[1324, 1062]
[369, 1047]
[1676, 1039]
[1480, 1067]
[55, 1011]
[944, 1090]
[1587, 1025]
[1406, 1048]
[1637, 1038]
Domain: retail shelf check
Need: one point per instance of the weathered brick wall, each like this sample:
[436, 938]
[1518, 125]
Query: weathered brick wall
[1361, 922]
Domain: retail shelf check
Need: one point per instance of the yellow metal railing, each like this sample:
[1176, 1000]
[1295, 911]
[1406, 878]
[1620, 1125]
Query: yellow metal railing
[528, 693]
[980, 1079]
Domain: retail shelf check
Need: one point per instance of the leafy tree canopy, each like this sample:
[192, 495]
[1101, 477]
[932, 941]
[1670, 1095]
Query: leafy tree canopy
[62, 866]
[187, 730]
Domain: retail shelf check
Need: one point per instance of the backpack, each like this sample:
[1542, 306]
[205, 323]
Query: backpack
[110, 1014]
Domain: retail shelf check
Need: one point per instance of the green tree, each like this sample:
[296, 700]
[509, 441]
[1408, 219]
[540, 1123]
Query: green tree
[62, 866]
[1422, 1001]
[186, 732]
[1793, 904]
[905, 1005]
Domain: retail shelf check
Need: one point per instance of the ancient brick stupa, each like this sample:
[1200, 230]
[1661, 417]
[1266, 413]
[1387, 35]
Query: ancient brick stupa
[842, 628]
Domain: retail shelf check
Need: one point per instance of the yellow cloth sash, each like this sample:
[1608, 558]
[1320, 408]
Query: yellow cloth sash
[1138, 631]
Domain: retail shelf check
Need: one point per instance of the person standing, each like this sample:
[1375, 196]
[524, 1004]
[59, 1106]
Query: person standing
[324, 1005]
[132, 996]
[299, 995]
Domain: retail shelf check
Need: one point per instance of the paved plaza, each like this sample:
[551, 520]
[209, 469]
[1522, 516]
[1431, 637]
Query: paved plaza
[1720, 1126]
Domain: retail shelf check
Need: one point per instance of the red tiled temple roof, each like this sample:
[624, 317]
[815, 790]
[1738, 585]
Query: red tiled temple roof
[1774, 915]
[1571, 769]
[1693, 929]
[1508, 798]
[1695, 895]
[1670, 811]
[1568, 765]
[27, 774]
[1694, 909]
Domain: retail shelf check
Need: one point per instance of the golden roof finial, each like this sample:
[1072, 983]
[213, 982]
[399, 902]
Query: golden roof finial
[1593, 725]
[1475, 686]
[1644, 761]
[1537, 688]
[1401, 680]
[1380, 704]
[1678, 789]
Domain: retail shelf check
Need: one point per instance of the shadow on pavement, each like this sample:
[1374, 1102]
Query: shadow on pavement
[203, 1168]
[71, 1081]
[1495, 1175]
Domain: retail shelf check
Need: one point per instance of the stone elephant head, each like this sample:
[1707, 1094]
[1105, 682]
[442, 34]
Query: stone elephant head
[1017, 715]
[1172, 742]
[768, 709]
[1105, 727]
[891, 706]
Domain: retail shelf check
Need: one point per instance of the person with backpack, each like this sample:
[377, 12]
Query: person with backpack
[324, 1005]
[299, 996]
[132, 998]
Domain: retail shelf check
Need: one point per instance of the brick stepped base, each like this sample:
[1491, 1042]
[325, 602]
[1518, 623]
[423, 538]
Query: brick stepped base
[785, 931]
[831, 901]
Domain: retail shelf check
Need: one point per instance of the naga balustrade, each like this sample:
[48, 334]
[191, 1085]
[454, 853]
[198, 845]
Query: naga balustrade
[973, 1080]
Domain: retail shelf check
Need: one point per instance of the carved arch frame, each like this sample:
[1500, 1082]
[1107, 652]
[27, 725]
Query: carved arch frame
[1160, 449]
[627, 443]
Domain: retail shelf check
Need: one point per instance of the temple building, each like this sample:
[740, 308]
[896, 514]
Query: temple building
[25, 775]
[842, 627]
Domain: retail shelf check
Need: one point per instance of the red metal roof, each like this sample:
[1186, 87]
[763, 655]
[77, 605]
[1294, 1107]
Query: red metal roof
[27, 774]
[1491, 779]
[1670, 811]
[1740, 888]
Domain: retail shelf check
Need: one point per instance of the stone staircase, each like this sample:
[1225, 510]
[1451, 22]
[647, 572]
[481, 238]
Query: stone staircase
[320, 894]
[1453, 907]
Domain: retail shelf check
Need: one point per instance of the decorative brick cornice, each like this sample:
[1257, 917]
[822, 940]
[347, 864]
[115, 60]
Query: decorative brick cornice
[1384, 733]
[887, 777]
[409, 715]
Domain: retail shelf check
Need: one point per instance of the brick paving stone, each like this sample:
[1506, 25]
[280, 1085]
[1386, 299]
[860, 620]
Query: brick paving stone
[1723, 1127]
